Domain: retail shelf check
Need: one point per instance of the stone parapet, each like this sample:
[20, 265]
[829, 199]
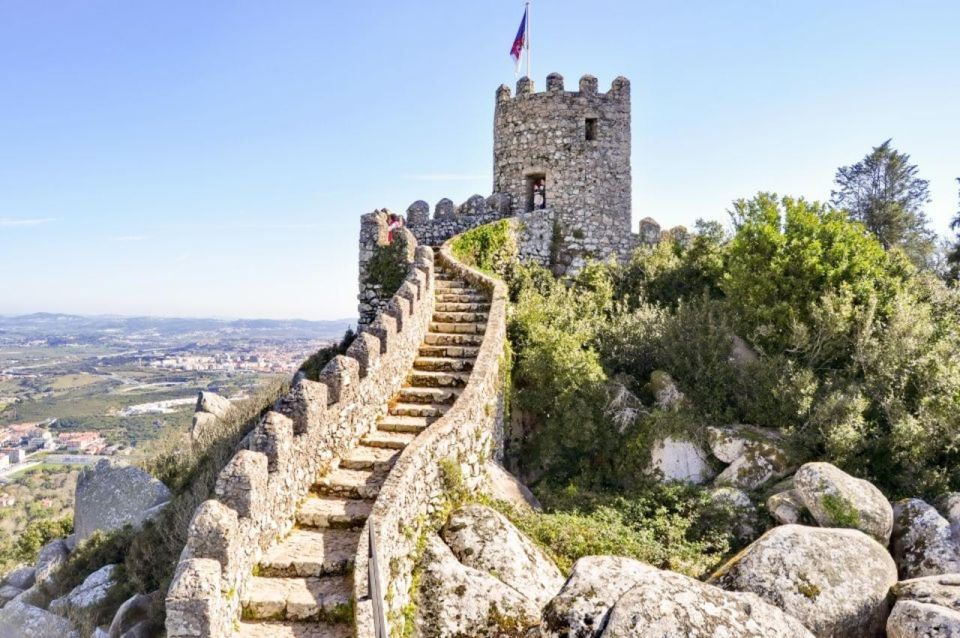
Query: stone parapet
[449, 220]
[257, 493]
[468, 434]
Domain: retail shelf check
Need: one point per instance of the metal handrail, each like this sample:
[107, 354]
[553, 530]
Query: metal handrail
[376, 588]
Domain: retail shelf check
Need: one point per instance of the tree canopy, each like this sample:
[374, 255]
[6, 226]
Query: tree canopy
[883, 192]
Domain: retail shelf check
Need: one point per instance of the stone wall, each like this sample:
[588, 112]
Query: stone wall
[373, 299]
[311, 427]
[588, 188]
[469, 433]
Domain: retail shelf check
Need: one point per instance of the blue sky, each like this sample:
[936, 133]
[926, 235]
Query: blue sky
[212, 158]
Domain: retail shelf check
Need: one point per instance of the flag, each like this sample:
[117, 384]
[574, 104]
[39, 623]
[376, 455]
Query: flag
[516, 51]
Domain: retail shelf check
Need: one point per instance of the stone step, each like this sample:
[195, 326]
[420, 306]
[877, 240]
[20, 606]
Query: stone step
[413, 424]
[431, 379]
[461, 297]
[433, 410]
[390, 440]
[300, 599]
[461, 306]
[459, 352]
[447, 339]
[350, 483]
[364, 457]
[293, 630]
[458, 328]
[333, 511]
[443, 364]
[460, 317]
[311, 552]
[431, 396]
[451, 285]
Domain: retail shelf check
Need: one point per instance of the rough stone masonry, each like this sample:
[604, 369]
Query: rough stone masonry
[561, 166]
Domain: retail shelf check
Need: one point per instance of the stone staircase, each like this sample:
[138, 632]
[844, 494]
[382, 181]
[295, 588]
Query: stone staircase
[303, 586]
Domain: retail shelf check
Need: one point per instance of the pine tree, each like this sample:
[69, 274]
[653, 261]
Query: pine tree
[953, 255]
[883, 192]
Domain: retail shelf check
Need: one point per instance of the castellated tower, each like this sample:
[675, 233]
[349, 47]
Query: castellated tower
[564, 157]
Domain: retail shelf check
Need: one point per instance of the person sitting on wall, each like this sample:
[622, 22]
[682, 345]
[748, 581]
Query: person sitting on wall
[539, 194]
[394, 222]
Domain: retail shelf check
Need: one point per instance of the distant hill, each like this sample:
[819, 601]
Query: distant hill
[44, 324]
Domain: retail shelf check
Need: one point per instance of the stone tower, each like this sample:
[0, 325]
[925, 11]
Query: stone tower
[566, 155]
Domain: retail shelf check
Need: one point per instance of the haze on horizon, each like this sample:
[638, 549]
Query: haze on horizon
[213, 159]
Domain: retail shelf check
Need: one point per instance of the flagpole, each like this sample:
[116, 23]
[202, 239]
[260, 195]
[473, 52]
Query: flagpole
[528, 40]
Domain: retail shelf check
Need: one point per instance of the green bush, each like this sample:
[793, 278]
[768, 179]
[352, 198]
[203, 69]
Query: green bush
[387, 268]
[316, 362]
[492, 248]
[673, 527]
[788, 253]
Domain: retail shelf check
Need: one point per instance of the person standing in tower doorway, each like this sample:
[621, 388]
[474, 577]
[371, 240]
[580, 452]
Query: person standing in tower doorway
[540, 194]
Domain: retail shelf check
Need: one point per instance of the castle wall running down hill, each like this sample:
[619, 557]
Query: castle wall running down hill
[420, 228]
[258, 491]
[467, 435]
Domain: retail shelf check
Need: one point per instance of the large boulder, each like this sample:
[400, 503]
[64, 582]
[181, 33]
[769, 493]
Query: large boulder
[787, 507]
[835, 581]
[22, 578]
[20, 620]
[455, 600]
[504, 486]
[666, 604]
[744, 512]
[51, 557]
[922, 542]
[836, 499]
[756, 456]
[926, 607]
[8, 593]
[949, 507]
[134, 612]
[113, 495]
[88, 594]
[213, 403]
[913, 619]
[731, 442]
[483, 539]
[680, 460]
[582, 607]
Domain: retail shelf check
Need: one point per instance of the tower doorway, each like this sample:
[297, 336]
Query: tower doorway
[536, 184]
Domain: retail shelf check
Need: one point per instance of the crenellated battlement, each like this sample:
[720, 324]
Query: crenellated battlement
[588, 89]
[309, 430]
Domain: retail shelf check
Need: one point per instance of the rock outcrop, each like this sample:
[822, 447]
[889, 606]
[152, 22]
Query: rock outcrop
[926, 607]
[787, 507]
[113, 495]
[835, 581]
[582, 607]
[667, 604]
[836, 499]
[504, 486]
[20, 620]
[679, 460]
[483, 539]
[51, 557]
[756, 456]
[922, 542]
[455, 600]
[91, 592]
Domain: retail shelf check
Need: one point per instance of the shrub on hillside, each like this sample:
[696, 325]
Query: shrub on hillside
[788, 253]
